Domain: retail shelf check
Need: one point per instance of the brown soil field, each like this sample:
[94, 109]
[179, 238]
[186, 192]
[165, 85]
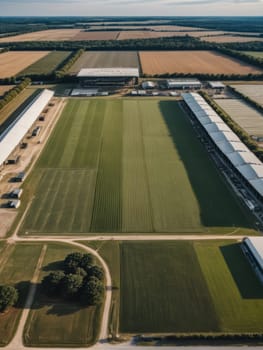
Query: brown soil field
[4, 89]
[230, 39]
[106, 59]
[104, 35]
[203, 62]
[13, 62]
[45, 35]
[146, 34]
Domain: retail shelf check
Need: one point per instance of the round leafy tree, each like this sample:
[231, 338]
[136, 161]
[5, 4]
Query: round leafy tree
[8, 297]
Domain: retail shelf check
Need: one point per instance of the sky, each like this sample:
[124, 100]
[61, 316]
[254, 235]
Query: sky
[131, 7]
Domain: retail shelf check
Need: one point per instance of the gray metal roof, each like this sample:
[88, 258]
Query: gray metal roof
[108, 72]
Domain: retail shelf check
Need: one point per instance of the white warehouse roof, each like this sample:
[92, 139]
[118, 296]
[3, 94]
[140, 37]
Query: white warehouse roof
[11, 137]
[216, 85]
[227, 141]
[108, 72]
[183, 83]
[255, 245]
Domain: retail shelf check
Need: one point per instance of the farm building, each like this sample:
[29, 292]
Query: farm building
[14, 204]
[108, 76]
[84, 92]
[183, 84]
[236, 154]
[217, 85]
[253, 250]
[148, 85]
[13, 135]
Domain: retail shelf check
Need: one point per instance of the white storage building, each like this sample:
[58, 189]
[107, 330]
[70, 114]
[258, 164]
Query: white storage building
[248, 165]
[13, 135]
[253, 249]
[183, 84]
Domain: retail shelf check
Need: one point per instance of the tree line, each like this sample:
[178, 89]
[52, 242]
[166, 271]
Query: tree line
[11, 94]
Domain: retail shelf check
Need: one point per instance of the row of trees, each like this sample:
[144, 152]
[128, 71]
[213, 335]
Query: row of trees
[251, 144]
[8, 297]
[10, 95]
[256, 61]
[69, 62]
[80, 280]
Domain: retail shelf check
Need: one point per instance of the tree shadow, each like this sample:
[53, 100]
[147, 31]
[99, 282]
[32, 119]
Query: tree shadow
[245, 278]
[54, 266]
[216, 205]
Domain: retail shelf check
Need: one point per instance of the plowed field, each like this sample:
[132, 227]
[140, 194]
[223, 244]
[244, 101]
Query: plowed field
[203, 62]
[11, 63]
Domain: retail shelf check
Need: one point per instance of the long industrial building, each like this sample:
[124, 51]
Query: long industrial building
[253, 249]
[236, 153]
[13, 135]
[107, 76]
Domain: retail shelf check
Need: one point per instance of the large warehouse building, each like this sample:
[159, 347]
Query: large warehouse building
[108, 76]
[253, 249]
[238, 156]
[13, 135]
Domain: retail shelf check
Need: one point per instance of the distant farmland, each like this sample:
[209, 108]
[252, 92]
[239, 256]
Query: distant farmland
[176, 287]
[103, 35]
[258, 54]
[203, 62]
[106, 59]
[47, 64]
[230, 39]
[128, 166]
[44, 35]
[13, 62]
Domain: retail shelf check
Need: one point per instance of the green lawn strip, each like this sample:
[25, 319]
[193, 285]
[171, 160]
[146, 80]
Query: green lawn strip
[208, 186]
[107, 201]
[163, 290]
[136, 206]
[54, 322]
[110, 252]
[47, 64]
[175, 207]
[18, 271]
[52, 209]
[236, 292]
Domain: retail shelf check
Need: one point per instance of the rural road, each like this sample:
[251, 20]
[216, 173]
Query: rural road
[17, 342]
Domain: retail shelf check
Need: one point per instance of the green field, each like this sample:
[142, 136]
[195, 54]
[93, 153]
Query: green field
[47, 64]
[257, 54]
[128, 166]
[13, 260]
[184, 287]
[58, 323]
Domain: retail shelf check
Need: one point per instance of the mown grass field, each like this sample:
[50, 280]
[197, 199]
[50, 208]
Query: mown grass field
[47, 64]
[14, 259]
[183, 287]
[128, 166]
[53, 322]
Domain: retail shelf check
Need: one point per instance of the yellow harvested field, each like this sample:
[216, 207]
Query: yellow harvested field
[5, 88]
[45, 35]
[202, 62]
[104, 35]
[13, 62]
[230, 39]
